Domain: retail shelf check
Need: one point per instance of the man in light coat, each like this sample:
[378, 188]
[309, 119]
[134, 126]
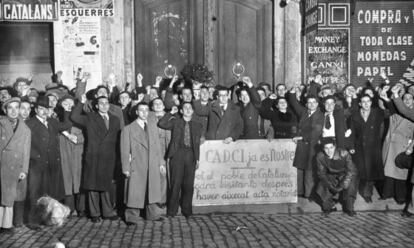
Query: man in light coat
[142, 166]
[14, 159]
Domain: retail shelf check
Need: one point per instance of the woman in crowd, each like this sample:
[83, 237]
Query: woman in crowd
[249, 103]
[71, 152]
[284, 121]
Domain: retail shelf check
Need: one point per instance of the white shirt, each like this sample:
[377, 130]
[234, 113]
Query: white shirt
[43, 121]
[141, 123]
[331, 131]
[105, 115]
[310, 113]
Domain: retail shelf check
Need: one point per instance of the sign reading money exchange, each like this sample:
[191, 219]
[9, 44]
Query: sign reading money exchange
[246, 172]
[383, 41]
[29, 11]
[327, 54]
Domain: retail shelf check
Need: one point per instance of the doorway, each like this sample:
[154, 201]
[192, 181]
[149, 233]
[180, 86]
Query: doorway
[217, 33]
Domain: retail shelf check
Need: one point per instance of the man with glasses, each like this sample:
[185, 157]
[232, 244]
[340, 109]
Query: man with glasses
[224, 119]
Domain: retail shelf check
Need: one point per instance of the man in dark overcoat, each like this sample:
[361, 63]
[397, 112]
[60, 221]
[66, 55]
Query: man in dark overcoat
[102, 129]
[45, 170]
[311, 121]
[368, 127]
[224, 119]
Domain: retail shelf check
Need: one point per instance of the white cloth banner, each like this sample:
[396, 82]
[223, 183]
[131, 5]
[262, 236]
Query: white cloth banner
[246, 172]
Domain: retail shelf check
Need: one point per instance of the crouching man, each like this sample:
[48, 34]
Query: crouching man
[337, 175]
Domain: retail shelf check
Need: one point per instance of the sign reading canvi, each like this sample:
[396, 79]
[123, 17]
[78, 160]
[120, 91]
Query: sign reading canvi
[246, 172]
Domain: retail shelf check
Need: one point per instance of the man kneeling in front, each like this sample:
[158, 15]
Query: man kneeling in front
[337, 175]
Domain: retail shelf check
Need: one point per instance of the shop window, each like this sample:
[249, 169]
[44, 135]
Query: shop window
[26, 43]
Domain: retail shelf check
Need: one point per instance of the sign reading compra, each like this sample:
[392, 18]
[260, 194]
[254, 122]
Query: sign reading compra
[383, 41]
[246, 172]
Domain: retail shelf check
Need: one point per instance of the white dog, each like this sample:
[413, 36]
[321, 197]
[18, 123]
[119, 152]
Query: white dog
[52, 212]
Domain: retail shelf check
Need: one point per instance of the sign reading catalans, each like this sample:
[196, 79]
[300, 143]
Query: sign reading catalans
[245, 172]
[24, 10]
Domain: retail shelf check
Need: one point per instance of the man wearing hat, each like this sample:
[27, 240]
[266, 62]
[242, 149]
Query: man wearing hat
[337, 174]
[14, 159]
[45, 171]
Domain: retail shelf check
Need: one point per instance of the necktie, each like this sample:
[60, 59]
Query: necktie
[327, 121]
[187, 135]
[145, 127]
[261, 126]
[222, 110]
[14, 124]
[106, 120]
[45, 123]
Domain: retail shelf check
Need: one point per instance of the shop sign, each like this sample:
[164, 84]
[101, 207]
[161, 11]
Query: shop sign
[327, 54]
[82, 8]
[383, 41]
[29, 11]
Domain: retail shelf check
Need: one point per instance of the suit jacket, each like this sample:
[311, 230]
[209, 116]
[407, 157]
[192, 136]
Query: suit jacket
[310, 129]
[340, 127]
[14, 159]
[113, 109]
[141, 156]
[221, 127]
[101, 150]
[176, 125]
[201, 114]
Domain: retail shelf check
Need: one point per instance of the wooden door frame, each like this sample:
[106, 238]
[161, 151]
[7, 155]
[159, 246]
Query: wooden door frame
[211, 53]
[195, 14]
[201, 52]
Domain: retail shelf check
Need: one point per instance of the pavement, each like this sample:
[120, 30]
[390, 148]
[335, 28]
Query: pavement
[301, 224]
[367, 229]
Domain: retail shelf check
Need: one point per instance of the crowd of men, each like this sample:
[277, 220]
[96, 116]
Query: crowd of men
[132, 151]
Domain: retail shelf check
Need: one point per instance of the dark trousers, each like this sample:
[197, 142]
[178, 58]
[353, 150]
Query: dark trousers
[18, 213]
[98, 200]
[182, 173]
[76, 202]
[306, 182]
[397, 189]
[346, 197]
